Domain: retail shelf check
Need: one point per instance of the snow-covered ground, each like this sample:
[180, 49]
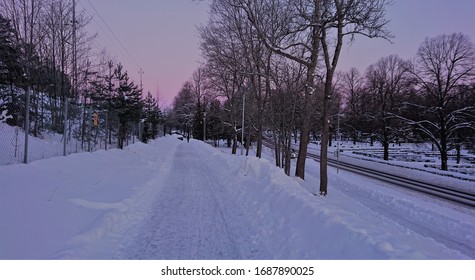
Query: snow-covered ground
[47, 145]
[176, 200]
[421, 157]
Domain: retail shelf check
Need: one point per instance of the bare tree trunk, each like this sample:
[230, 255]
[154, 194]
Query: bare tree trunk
[276, 148]
[386, 150]
[325, 136]
[234, 149]
[288, 158]
[305, 131]
[457, 148]
[443, 147]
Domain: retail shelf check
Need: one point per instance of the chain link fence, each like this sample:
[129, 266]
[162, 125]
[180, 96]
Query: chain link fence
[12, 136]
[86, 128]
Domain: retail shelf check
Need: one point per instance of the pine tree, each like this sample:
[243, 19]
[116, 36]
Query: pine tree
[11, 73]
[127, 102]
[214, 123]
[10, 67]
[198, 122]
[151, 118]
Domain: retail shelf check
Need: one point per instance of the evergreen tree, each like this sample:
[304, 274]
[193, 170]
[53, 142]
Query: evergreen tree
[127, 103]
[10, 66]
[11, 74]
[151, 117]
[214, 123]
[198, 122]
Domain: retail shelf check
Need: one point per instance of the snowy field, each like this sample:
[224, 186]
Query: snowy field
[175, 200]
[421, 157]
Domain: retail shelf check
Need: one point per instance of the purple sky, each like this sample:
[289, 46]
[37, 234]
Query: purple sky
[161, 37]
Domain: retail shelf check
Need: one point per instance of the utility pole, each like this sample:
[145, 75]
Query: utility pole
[27, 120]
[74, 83]
[140, 73]
[107, 129]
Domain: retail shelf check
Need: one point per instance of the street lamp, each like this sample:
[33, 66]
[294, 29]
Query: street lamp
[204, 127]
[338, 144]
[242, 128]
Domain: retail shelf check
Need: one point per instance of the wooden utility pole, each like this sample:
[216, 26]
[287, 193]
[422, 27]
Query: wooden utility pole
[74, 83]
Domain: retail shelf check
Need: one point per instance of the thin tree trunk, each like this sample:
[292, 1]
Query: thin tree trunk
[386, 149]
[276, 148]
[305, 132]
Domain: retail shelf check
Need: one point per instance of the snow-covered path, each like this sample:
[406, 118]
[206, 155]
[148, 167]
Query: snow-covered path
[193, 216]
[176, 200]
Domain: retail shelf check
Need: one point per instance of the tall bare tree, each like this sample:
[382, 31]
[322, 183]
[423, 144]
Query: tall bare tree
[304, 30]
[387, 81]
[341, 19]
[291, 29]
[352, 87]
[287, 76]
[443, 64]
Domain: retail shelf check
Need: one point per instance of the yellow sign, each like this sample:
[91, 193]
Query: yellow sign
[96, 119]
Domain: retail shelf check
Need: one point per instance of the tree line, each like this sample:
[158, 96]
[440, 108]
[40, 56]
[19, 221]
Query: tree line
[52, 77]
[272, 65]
[269, 71]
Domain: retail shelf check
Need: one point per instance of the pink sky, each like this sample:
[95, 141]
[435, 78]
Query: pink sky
[161, 36]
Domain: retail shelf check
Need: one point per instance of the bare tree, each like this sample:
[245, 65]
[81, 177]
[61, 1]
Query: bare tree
[247, 55]
[386, 83]
[443, 64]
[342, 19]
[225, 63]
[282, 114]
[291, 29]
[352, 87]
[301, 31]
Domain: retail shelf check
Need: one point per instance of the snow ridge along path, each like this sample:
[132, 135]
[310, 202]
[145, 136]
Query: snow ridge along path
[176, 200]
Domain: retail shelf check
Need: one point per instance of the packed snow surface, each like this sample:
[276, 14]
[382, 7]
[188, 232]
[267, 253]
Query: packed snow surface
[170, 199]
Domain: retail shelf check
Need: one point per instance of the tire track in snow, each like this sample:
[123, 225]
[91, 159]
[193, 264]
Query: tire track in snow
[194, 216]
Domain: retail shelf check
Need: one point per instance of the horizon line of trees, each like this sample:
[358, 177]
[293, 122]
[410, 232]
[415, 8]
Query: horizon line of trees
[275, 62]
[48, 62]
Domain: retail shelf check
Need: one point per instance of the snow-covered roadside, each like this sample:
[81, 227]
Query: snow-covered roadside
[12, 147]
[105, 205]
[53, 208]
[339, 226]
[404, 168]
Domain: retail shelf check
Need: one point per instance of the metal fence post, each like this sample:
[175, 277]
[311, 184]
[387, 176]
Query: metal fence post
[27, 124]
[107, 130]
[65, 129]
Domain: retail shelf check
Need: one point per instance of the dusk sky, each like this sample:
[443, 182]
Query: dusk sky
[160, 36]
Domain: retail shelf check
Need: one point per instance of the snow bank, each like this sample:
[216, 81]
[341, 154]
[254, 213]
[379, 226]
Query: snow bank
[298, 225]
[12, 141]
[90, 205]
[79, 206]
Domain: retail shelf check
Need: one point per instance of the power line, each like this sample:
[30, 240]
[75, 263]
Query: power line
[113, 34]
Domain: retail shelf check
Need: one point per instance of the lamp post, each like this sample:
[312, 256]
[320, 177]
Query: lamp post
[204, 127]
[27, 123]
[74, 83]
[338, 145]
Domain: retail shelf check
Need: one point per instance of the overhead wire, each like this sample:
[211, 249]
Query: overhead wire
[121, 46]
[104, 32]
